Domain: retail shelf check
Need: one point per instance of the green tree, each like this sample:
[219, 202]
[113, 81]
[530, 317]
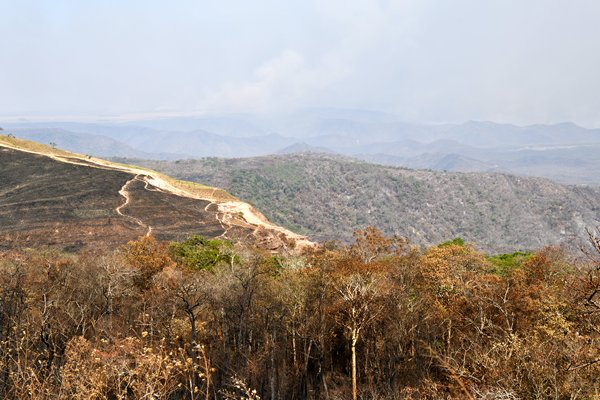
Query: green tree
[198, 253]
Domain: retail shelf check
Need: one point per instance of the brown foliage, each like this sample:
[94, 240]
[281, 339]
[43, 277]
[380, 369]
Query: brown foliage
[376, 319]
[148, 257]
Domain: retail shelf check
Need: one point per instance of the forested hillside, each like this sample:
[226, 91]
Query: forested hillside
[327, 197]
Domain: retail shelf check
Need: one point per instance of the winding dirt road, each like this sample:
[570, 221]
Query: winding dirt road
[119, 210]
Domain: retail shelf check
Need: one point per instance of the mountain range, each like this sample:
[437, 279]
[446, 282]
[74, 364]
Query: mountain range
[563, 152]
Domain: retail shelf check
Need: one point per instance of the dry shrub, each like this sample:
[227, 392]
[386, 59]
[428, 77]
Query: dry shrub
[126, 369]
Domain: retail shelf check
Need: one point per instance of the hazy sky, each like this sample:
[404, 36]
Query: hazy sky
[521, 61]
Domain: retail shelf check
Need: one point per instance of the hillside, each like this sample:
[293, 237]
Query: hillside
[327, 197]
[52, 197]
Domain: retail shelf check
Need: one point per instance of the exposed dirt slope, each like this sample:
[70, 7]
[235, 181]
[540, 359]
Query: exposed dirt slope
[48, 196]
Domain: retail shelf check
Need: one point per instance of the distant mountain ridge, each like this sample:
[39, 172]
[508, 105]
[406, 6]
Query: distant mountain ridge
[564, 152]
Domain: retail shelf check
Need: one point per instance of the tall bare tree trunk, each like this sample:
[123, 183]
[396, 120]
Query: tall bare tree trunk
[354, 340]
[272, 380]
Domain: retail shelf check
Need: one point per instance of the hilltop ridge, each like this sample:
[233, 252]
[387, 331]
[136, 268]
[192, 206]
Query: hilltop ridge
[51, 196]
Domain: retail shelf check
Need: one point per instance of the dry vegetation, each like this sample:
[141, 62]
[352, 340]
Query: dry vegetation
[203, 319]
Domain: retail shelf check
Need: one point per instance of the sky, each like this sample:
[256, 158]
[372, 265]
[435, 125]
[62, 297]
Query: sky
[516, 61]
